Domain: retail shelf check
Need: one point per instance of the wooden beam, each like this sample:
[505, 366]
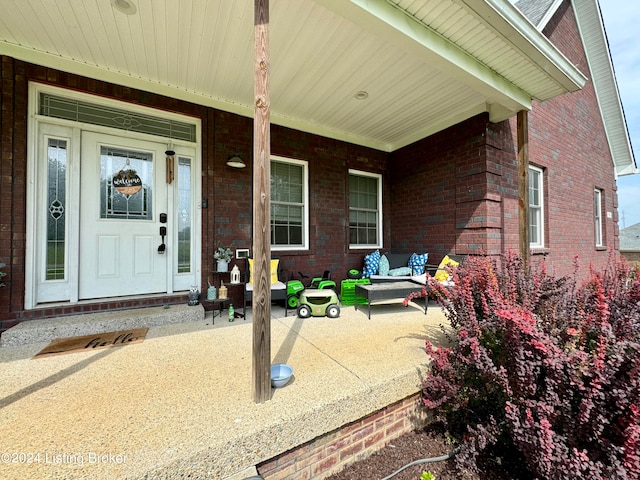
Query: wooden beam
[261, 307]
[523, 184]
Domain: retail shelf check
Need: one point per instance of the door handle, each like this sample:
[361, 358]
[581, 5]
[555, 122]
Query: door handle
[163, 232]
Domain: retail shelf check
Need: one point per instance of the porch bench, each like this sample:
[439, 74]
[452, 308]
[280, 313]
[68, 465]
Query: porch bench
[278, 287]
[396, 260]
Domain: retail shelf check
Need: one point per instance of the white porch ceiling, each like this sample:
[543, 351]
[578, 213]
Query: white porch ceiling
[425, 64]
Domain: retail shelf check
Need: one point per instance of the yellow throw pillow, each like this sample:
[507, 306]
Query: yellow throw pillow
[442, 275]
[274, 271]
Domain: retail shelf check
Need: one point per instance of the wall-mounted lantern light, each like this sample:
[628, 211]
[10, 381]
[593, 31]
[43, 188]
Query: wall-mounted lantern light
[235, 161]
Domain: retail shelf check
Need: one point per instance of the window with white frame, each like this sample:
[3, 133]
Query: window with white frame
[365, 209]
[597, 209]
[536, 207]
[289, 204]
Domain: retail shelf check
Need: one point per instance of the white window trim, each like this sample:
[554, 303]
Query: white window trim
[378, 243]
[599, 240]
[539, 243]
[305, 199]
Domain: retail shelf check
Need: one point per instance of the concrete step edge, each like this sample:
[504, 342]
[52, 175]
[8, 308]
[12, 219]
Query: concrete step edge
[45, 330]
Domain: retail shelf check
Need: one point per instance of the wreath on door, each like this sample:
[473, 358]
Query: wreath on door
[127, 182]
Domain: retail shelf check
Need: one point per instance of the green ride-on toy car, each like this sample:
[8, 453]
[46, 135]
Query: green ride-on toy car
[296, 287]
[319, 303]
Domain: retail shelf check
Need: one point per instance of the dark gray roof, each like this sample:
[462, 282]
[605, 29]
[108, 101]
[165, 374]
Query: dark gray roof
[630, 238]
[534, 10]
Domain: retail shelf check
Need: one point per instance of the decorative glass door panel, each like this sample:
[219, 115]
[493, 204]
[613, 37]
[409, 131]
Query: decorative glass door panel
[54, 277]
[185, 217]
[57, 206]
[119, 170]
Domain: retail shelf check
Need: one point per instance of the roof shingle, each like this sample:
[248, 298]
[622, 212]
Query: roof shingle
[534, 10]
[630, 238]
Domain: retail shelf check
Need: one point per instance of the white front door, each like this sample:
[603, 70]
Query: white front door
[88, 235]
[122, 251]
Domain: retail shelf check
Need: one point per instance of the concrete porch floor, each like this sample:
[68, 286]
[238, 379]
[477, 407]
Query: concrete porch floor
[180, 404]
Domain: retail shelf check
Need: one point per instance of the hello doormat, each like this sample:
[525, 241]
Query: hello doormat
[93, 342]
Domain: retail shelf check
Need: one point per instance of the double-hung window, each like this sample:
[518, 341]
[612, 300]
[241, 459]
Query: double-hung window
[365, 209]
[597, 207]
[536, 207]
[289, 204]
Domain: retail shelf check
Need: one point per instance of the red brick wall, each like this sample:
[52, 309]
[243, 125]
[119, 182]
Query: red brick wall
[230, 193]
[439, 190]
[335, 450]
[567, 140]
[13, 183]
[329, 161]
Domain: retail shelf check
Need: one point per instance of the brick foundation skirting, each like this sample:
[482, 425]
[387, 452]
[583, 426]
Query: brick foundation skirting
[333, 451]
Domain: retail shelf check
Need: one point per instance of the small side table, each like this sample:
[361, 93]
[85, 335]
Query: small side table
[218, 304]
[227, 283]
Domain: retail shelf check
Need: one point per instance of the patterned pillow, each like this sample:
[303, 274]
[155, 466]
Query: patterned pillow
[383, 268]
[417, 263]
[400, 272]
[371, 264]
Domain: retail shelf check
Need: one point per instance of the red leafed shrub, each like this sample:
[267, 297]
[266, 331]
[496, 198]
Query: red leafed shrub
[541, 370]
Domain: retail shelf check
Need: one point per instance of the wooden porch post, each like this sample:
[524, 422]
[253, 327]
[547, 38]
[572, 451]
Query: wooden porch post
[523, 184]
[261, 209]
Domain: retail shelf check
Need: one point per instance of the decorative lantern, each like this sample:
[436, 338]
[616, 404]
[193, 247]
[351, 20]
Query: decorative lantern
[211, 292]
[222, 291]
[235, 274]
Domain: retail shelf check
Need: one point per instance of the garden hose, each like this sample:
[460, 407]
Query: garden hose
[425, 460]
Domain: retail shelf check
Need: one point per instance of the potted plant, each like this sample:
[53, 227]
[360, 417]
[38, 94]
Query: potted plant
[223, 256]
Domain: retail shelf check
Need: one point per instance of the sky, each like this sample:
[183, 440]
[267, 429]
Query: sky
[621, 21]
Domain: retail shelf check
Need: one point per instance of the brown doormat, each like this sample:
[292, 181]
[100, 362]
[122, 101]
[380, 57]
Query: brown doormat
[93, 342]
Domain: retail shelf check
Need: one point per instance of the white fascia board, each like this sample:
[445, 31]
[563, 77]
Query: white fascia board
[509, 22]
[591, 27]
[385, 21]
